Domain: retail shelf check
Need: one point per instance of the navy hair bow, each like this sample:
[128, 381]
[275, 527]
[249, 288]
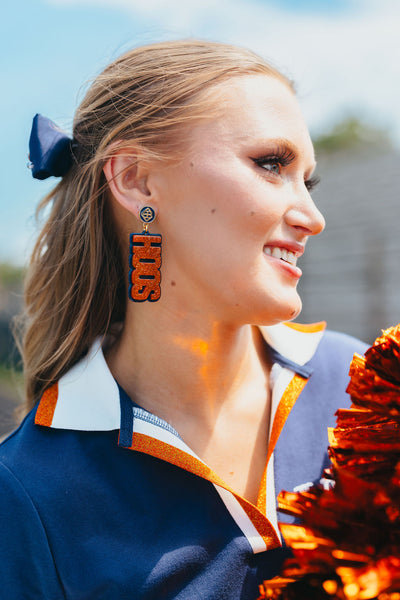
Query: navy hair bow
[50, 150]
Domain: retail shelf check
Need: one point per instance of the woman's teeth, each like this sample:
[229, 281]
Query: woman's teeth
[281, 253]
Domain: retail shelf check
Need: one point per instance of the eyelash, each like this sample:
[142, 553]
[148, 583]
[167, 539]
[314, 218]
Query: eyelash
[312, 182]
[284, 157]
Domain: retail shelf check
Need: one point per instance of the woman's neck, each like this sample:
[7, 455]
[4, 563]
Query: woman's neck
[174, 366]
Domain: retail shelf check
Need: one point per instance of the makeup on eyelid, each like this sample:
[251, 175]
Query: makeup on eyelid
[283, 155]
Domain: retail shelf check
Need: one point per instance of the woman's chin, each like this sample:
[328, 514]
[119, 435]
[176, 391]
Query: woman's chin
[286, 311]
[278, 314]
[294, 311]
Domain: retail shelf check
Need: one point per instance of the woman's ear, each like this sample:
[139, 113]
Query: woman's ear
[127, 176]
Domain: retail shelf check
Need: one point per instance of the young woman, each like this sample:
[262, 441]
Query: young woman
[168, 402]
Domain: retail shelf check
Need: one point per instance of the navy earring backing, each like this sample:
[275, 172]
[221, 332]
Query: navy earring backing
[147, 215]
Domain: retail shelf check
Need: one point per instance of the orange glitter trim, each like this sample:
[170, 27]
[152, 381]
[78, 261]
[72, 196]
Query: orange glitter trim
[307, 328]
[47, 405]
[153, 447]
[285, 405]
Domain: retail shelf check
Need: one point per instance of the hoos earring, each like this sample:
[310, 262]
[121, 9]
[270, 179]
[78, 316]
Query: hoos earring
[145, 261]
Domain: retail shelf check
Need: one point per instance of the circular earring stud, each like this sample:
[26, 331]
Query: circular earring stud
[147, 215]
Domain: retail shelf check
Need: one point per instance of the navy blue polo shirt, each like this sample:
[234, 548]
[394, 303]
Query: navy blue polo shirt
[101, 499]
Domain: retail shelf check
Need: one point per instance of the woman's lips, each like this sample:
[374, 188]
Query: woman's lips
[281, 253]
[286, 257]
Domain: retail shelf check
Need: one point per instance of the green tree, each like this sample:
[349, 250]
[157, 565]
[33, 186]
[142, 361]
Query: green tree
[352, 133]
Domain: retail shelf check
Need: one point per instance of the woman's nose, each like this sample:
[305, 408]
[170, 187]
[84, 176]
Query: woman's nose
[304, 215]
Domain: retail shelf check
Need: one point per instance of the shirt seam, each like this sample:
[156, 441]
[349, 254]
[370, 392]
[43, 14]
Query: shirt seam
[31, 502]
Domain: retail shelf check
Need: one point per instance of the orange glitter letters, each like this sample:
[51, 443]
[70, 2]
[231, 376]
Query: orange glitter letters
[145, 263]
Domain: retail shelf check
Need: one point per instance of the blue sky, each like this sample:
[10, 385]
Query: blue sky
[344, 55]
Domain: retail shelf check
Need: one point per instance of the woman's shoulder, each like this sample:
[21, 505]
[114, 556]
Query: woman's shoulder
[22, 526]
[42, 458]
[338, 346]
[311, 344]
[23, 454]
[331, 364]
[10, 445]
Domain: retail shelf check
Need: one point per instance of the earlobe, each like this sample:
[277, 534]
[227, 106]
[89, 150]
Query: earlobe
[127, 179]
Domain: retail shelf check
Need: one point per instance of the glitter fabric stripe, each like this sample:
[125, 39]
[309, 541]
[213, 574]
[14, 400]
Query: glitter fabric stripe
[307, 328]
[285, 405]
[47, 405]
[153, 447]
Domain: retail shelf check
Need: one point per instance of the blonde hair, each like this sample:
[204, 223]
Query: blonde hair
[75, 289]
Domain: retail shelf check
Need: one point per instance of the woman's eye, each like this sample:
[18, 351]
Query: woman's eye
[275, 163]
[273, 166]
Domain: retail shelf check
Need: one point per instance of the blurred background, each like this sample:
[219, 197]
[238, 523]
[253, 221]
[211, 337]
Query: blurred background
[345, 58]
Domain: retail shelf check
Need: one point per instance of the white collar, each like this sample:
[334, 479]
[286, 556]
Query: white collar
[296, 342]
[88, 395]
